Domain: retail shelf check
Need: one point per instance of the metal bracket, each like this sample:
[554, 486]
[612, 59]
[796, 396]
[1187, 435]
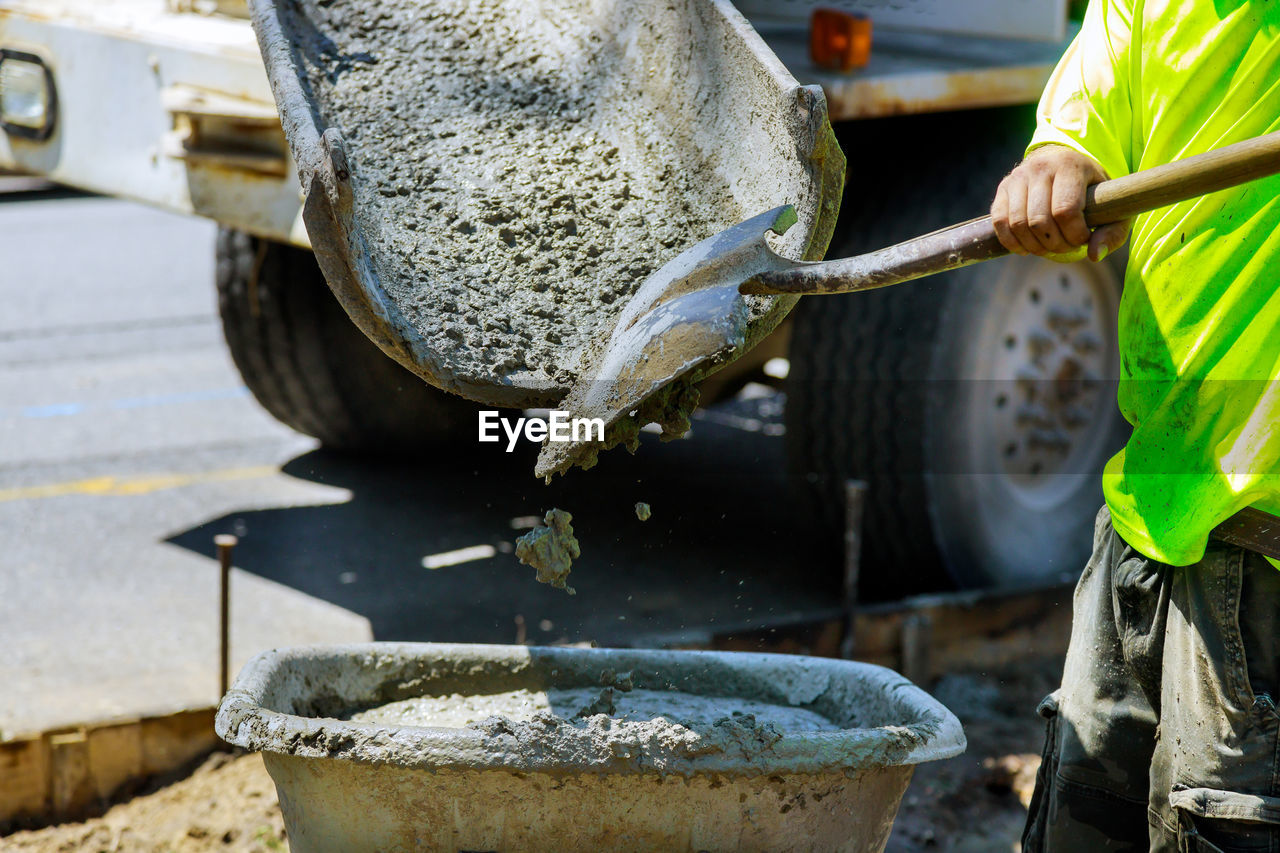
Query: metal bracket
[213, 129]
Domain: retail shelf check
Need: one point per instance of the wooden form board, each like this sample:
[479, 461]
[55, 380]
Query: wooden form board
[922, 637]
[68, 774]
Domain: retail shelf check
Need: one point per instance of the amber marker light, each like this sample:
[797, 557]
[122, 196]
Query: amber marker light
[839, 41]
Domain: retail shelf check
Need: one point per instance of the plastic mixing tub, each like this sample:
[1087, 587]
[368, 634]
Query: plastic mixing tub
[757, 778]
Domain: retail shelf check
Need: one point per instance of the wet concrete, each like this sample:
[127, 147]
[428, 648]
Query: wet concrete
[507, 263]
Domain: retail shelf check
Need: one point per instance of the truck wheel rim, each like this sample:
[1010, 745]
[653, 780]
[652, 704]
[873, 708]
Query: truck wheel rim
[1049, 411]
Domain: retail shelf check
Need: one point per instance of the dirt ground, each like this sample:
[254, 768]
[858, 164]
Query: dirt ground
[972, 803]
[228, 803]
[977, 802]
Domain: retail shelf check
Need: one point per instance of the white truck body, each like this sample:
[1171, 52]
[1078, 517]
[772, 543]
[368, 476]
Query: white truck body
[166, 101]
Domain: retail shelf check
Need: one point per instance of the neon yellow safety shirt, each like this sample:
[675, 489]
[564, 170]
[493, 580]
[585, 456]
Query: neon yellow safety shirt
[1145, 83]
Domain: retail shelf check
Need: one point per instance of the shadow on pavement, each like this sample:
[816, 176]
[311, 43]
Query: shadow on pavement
[726, 545]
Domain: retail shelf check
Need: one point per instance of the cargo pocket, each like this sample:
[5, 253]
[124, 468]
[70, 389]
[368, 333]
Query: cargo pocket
[1212, 821]
[1038, 810]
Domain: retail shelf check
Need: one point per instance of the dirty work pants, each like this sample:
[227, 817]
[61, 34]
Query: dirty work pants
[1163, 735]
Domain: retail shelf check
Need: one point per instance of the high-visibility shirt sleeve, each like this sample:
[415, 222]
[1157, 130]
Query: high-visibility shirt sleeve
[1087, 104]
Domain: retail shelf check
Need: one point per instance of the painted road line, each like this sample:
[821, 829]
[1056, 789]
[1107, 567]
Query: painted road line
[58, 410]
[128, 486]
[109, 327]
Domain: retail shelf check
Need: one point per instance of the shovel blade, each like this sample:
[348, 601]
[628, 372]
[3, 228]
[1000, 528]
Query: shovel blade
[685, 317]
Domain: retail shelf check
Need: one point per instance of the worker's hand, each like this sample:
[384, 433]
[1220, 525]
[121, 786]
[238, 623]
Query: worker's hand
[1039, 207]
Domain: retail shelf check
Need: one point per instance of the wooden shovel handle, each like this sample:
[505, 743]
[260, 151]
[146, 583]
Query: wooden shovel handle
[1121, 198]
[975, 240]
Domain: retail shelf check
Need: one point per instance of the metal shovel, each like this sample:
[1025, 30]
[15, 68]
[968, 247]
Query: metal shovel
[690, 314]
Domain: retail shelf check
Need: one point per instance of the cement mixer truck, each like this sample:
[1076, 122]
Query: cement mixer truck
[978, 406]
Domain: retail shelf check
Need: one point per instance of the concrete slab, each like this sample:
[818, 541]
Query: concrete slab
[122, 422]
[93, 633]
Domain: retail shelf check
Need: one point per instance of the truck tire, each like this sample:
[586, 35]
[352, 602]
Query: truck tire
[978, 405]
[310, 367]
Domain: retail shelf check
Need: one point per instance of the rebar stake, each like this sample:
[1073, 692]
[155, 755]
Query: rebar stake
[225, 543]
[855, 499]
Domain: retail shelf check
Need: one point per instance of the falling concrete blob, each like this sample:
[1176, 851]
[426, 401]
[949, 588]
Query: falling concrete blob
[551, 549]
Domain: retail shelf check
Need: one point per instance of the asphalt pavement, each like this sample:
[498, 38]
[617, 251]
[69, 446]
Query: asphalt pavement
[128, 440]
